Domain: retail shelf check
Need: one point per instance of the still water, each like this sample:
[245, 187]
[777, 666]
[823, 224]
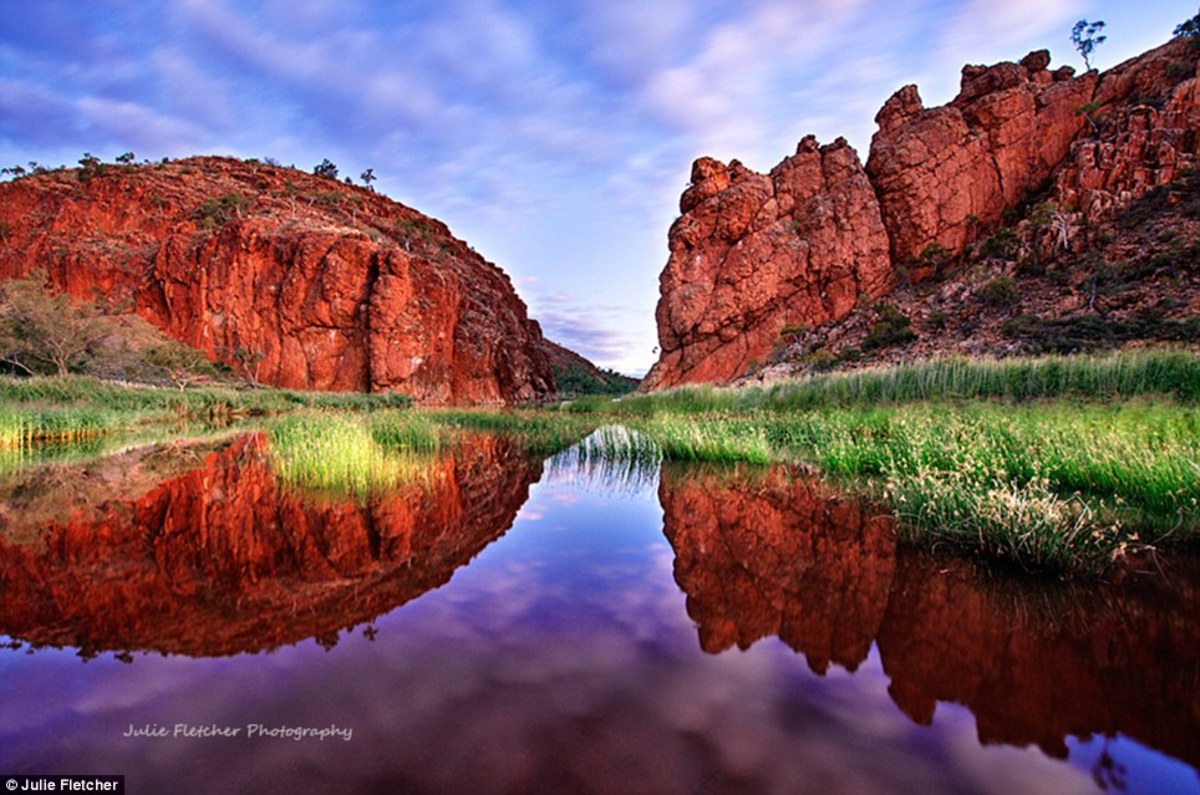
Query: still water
[504, 624]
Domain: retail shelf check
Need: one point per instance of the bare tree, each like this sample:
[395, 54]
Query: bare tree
[40, 332]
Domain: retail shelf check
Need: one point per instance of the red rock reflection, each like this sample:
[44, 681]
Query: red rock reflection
[1035, 662]
[1039, 663]
[777, 555]
[218, 559]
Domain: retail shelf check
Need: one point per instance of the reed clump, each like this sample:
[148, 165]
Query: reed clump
[1173, 374]
[352, 454]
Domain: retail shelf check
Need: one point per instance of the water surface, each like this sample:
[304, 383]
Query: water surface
[503, 624]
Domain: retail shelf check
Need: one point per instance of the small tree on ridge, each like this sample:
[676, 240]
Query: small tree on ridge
[1084, 37]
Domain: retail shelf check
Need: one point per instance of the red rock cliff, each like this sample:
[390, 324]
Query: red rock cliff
[332, 287]
[754, 254]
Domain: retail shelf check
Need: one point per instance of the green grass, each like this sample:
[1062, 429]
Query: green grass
[356, 455]
[73, 408]
[1121, 376]
[539, 432]
[1062, 464]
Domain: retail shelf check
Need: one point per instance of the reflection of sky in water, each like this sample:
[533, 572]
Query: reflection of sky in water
[561, 659]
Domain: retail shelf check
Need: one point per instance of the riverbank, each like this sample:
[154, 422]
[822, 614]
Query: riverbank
[1074, 466]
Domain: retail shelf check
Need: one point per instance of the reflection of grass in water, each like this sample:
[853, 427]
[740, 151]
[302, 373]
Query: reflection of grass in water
[16, 461]
[69, 409]
[1062, 487]
[612, 458]
[352, 454]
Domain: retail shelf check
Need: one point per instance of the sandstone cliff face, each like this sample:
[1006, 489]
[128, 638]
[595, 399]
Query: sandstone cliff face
[1146, 131]
[301, 281]
[755, 254]
[220, 559]
[945, 173]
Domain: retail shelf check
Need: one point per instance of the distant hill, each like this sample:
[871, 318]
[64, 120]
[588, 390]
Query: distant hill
[574, 375]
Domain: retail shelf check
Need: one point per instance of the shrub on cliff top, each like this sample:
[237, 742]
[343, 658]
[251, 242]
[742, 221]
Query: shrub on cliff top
[1189, 29]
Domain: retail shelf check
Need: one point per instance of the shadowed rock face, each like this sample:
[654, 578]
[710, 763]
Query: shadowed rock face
[218, 559]
[307, 283]
[755, 254]
[1036, 663]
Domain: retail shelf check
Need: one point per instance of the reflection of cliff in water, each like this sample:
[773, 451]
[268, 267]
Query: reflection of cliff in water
[773, 555]
[218, 559]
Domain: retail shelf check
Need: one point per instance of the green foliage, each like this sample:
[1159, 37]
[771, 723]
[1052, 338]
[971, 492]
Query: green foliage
[539, 432]
[1058, 487]
[90, 167]
[1093, 332]
[572, 380]
[819, 359]
[934, 255]
[891, 328]
[182, 364]
[794, 332]
[1149, 372]
[1000, 292]
[1189, 28]
[1042, 214]
[1003, 244]
[41, 333]
[326, 169]
[215, 212]
[346, 455]
[1084, 37]
[126, 158]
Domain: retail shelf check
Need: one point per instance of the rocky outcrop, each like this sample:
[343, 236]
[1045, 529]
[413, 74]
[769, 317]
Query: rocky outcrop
[754, 255]
[297, 280]
[1146, 120]
[218, 558]
[944, 174]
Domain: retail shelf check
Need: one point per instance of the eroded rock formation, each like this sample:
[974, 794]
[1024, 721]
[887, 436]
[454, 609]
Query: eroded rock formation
[298, 280]
[755, 255]
[217, 558]
[944, 174]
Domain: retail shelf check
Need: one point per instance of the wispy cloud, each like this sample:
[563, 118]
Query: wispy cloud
[555, 137]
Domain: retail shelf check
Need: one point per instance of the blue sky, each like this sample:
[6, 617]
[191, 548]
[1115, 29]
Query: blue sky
[554, 137]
